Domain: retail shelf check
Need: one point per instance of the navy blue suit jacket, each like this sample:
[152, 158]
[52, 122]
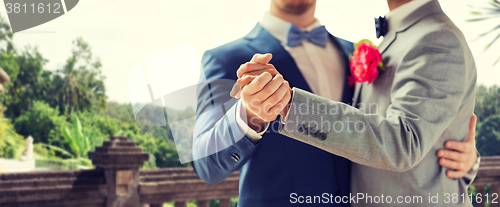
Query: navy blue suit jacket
[276, 167]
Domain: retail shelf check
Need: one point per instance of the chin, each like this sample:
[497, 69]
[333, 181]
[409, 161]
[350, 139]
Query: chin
[296, 7]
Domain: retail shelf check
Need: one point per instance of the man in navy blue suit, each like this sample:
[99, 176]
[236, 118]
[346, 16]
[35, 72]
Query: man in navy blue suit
[274, 170]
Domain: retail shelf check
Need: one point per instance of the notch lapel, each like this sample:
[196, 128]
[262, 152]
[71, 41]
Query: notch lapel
[430, 8]
[357, 90]
[388, 40]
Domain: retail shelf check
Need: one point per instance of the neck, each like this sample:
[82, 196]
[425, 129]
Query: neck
[302, 21]
[393, 4]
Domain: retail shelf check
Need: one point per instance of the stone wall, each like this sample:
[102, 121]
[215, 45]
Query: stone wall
[117, 181]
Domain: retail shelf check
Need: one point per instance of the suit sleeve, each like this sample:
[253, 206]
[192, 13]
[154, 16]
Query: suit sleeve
[220, 147]
[429, 86]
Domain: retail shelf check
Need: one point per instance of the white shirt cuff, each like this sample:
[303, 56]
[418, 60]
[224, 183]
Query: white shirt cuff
[251, 134]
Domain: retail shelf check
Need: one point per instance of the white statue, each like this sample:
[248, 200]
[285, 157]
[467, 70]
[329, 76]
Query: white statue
[28, 150]
[3, 78]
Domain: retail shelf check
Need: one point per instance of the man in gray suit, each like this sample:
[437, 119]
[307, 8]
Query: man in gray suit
[424, 97]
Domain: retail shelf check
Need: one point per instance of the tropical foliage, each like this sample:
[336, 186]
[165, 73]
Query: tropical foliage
[488, 127]
[66, 110]
[11, 144]
[80, 142]
[80, 84]
[492, 14]
[43, 123]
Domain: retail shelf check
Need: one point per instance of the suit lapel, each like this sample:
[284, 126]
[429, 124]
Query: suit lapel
[388, 40]
[355, 98]
[263, 42]
[427, 9]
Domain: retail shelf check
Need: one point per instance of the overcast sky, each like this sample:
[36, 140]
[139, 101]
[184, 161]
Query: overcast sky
[122, 33]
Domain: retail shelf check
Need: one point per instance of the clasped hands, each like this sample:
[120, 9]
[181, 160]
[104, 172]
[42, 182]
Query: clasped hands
[265, 95]
[263, 91]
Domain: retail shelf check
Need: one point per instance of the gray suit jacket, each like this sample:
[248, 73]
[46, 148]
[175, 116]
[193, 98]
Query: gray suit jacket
[423, 98]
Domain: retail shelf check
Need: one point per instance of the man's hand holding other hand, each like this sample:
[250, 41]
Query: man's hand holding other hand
[264, 92]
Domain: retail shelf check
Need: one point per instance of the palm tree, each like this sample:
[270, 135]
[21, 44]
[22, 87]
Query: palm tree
[6, 35]
[70, 87]
[81, 84]
[488, 13]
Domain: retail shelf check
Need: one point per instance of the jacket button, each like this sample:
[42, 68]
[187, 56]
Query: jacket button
[307, 131]
[322, 136]
[235, 157]
[300, 128]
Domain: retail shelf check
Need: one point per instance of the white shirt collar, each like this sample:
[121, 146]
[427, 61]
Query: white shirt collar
[397, 15]
[279, 28]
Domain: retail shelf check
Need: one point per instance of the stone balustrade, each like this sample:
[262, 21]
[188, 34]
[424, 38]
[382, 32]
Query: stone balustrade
[117, 181]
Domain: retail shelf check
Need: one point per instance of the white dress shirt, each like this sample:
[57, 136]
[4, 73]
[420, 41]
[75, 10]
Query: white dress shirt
[322, 68]
[397, 15]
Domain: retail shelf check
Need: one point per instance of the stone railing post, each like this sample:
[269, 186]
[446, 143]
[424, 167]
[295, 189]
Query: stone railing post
[180, 204]
[225, 202]
[203, 203]
[121, 160]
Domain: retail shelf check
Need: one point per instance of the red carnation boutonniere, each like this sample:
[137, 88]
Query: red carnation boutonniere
[366, 63]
